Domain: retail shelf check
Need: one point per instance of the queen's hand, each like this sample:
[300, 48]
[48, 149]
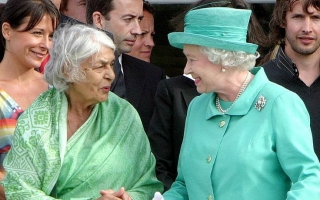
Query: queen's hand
[158, 196]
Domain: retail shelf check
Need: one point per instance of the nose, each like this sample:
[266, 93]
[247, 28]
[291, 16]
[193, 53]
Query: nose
[46, 42]
[109, 73]
[307, 26]
[136, 30]
[187, 69]
[149, 42]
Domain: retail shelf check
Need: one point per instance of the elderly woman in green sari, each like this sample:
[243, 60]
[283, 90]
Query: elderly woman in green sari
[78, 140]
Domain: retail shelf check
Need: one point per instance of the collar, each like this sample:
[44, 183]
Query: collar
[246, 99]
[188, 76]
[285, 63]
[120, 61]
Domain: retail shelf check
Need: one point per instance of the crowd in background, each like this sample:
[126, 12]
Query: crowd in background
[85, 114]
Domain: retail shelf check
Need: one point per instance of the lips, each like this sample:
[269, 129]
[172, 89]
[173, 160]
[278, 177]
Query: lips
[40, 55]
[197, 80]
[306, 39]
[130, 42]
[105, 89]
[145, 53]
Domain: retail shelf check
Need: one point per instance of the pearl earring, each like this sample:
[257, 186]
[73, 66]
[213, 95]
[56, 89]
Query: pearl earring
[223, 69]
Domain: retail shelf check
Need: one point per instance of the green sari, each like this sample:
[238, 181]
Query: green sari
[110, 150]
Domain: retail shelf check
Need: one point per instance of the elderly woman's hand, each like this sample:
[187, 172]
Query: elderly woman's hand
[121, 194]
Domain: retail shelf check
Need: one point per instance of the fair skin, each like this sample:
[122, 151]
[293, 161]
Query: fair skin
[209, 77]
[56, 3]
[24, 52]
[144, 44]
[76, 9]
[303, 41]
[124, 23]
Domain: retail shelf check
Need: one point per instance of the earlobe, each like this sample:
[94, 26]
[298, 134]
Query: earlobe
[6, 30]
[283, 25]
[97, 19]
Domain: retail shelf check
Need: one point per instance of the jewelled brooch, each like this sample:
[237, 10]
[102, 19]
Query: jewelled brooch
[260, 103]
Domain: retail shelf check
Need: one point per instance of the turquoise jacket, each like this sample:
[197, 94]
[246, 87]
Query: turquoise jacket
[261, 149]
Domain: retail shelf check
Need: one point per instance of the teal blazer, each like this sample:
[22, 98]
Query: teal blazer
[261, 149]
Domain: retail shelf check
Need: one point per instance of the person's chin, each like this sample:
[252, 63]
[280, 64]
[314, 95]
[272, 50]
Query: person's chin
[200, 90]
[105, 98]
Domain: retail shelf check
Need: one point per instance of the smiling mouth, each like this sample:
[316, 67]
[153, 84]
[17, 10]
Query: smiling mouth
[41, 55]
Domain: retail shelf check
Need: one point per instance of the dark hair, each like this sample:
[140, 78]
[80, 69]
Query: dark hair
[147, 7]
[102, 6]
[277, 32]
[63, 5]
[15, 11]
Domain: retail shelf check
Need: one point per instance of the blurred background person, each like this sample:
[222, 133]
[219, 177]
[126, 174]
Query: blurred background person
[144, 44]
[75, 9]
[238, 138]
[81, 140]
[68, 10]
[27, 28]
[295, 31]
[56, 3]
[174, 96]
[136, 80]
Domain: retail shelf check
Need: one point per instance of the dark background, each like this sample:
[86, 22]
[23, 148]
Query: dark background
[172, 59]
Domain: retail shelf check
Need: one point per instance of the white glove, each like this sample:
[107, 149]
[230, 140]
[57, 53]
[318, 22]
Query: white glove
[158, 196]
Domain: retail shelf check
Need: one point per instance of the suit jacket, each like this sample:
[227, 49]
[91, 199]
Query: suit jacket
[141, 80]
[167, 124]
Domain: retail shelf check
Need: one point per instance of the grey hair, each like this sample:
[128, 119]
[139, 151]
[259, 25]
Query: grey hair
[239, 59]
[73, 45]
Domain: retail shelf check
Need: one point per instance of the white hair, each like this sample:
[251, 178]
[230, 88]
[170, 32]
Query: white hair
[239, 59]
[72, 45]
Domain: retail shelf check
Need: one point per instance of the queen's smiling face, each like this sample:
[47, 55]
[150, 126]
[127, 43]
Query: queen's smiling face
[206, 75]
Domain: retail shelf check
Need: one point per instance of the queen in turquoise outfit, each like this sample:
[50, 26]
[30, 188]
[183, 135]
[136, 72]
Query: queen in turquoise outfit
[245, 137]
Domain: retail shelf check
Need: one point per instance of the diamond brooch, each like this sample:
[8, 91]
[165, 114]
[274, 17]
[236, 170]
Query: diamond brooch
[260, 103]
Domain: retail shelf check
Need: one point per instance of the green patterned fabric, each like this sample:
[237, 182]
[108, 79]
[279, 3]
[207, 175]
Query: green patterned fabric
[108, 151]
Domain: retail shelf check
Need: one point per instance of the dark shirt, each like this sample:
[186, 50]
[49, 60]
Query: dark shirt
[284, 72]
[167, 125]
[141, 80]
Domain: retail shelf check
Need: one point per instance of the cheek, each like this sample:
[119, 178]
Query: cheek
[50, 44]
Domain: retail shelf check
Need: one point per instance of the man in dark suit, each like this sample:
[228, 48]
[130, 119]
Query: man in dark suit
[136, 80]
[167, 124]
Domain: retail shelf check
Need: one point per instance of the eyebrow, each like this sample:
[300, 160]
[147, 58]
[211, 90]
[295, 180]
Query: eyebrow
[104, 61]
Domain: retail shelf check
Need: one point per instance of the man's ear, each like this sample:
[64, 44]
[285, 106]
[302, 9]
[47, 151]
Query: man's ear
[6, 30]
[97, 19]
[283, 25]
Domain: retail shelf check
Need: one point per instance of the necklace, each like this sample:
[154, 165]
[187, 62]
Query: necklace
[242, 88]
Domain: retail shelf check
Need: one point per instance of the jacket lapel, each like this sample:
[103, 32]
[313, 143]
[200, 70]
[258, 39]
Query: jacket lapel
[135, 78]
[191, 92]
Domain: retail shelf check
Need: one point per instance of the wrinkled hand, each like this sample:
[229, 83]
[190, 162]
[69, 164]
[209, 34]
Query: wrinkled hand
[158, 196]
[121, 194]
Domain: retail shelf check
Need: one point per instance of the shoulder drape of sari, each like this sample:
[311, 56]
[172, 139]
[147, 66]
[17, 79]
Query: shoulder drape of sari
[108, 151]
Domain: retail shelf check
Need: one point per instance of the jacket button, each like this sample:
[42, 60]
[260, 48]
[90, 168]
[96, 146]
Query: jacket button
[210, 197]
[209, 159]
[222, 123]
